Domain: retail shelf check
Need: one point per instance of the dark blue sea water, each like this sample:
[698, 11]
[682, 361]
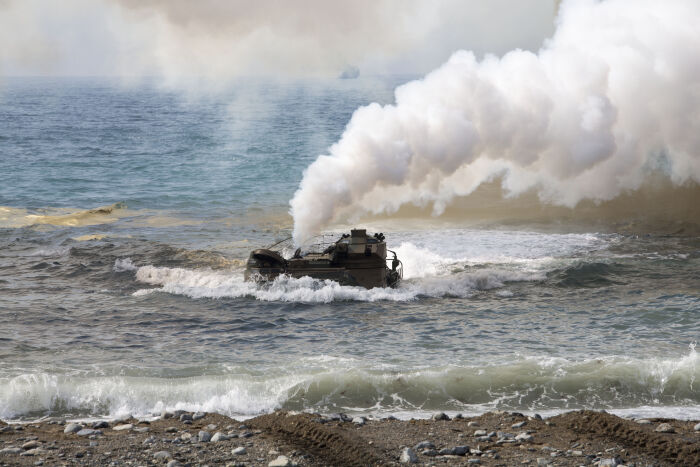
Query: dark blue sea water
[126, 213]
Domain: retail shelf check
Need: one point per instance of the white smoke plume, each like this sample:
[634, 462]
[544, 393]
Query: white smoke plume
[613, 96]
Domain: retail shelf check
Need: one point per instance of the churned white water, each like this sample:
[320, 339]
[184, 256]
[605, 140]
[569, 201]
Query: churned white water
[537, 384]
[436, 264]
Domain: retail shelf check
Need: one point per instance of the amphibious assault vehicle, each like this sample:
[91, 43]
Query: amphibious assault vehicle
[354, 259]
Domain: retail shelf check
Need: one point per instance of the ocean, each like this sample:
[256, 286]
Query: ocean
[127, 213]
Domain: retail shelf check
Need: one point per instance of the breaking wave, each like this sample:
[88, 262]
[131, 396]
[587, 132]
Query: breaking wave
[124, 265]
[327, 384]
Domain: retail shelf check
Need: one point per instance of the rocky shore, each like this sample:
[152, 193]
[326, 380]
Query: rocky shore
[288, 439]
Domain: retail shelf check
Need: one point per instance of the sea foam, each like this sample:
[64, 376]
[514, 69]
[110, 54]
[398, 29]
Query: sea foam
[216, 284]
[648, 386]
[449, 263]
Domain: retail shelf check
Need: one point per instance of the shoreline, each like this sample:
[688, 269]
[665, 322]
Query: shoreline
[498, 438]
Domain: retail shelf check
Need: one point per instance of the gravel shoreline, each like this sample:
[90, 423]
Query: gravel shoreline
[288, 439]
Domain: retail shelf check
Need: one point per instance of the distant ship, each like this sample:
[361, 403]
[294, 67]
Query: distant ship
[350, 72]
[356, 259]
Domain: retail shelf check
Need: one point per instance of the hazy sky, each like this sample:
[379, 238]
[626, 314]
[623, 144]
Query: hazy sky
[220, 39]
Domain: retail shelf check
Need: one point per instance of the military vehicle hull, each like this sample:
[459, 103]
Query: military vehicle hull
[356, 259]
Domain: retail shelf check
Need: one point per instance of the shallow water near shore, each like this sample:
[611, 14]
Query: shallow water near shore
[126, 215]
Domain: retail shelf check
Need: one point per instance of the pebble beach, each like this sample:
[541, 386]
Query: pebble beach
[303, 439]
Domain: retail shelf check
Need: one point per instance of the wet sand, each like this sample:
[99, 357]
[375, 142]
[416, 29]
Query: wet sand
[492, 439]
